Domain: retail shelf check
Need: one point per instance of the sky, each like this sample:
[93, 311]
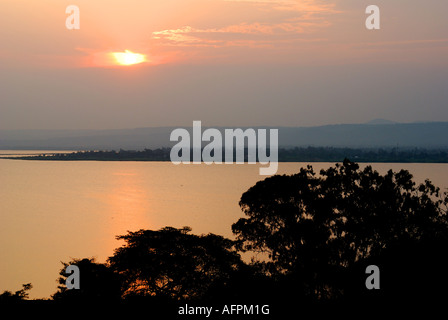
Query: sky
[223, 62]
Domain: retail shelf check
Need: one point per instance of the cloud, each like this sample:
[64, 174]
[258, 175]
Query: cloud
[294, 21]
[293, 5]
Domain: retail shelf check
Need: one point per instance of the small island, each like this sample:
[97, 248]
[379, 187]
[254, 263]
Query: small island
[297, 154]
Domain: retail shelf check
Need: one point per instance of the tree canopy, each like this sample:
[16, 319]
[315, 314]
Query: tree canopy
[174, 263]
[317, 227]
[19, 295]
[97, 282]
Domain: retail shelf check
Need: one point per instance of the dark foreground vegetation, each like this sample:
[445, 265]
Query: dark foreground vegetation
[309, 154]
[318, 234]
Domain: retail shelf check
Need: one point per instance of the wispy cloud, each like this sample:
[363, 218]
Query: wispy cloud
[294, 20]
[294, 5]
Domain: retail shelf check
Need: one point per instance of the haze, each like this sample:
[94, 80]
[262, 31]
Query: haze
[226, 63]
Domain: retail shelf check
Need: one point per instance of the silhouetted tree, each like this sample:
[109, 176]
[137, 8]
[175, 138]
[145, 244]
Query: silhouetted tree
[317, 229]
[8, 297]
[173, 263]
[98, 282]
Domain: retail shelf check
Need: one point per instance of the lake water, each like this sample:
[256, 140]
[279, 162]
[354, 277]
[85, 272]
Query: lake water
[52, 211]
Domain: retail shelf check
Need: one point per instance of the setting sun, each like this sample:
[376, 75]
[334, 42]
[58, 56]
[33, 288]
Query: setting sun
[129, 58]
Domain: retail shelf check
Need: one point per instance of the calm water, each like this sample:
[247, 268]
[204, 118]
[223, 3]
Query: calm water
[55, 211]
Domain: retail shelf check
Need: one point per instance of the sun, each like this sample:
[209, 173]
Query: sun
[128, 58]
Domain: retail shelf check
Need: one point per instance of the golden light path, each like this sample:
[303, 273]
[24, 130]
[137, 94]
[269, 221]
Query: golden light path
[127, 58]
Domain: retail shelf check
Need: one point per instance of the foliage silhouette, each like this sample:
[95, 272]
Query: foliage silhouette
[173, 263]
[297, 154]
[319, 229]
[97, 283]
[20, 295]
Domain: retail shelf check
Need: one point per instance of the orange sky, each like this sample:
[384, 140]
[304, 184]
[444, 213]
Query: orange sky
[218, 31]
[225, 62]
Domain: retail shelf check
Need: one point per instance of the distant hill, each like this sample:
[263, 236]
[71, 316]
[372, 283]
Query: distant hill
[424, 135]
[381, 121]
[370, 135]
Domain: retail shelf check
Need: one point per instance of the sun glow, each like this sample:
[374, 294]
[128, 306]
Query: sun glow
[128, 58]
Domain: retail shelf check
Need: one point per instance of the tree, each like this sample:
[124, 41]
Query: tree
[317, 229]
[20, 295]
[98, 283]
[174, 264]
